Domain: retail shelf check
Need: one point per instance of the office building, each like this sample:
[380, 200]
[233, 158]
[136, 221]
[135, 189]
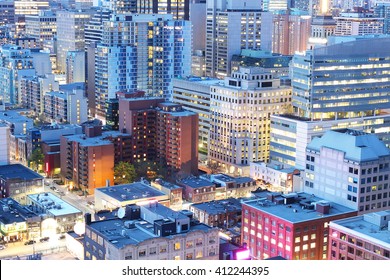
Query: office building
[347, 80]
[240, 118]
[179, 9]
[193, 94]
[349, 167]
[290, 33]
[294, 226]
[348, 24]
[322, 27]
[277, 64]
[363, 237]
[291, 134]
[24, 8]
[67, 105]
[114, 197]
[224, 38]
[42, 27]
[52, 207]
[70, 34]
[18, 181]
[4, 144]
[75, 67]
[150, 66]
[198, 13]
[150, 232]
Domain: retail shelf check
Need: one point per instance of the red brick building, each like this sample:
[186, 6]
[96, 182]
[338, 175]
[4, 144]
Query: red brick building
[161, 131]
[293, 226]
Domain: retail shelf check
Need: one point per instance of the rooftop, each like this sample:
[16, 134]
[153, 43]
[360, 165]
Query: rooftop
[166, 184]
[300, 208]
[12, 212]
[216, 207]
[14, 116]
[118, 232]
[358, 146]
[18, 171]
[53, 204]
[195, 182]
[95, 141]
[126, 192]
[366, 229]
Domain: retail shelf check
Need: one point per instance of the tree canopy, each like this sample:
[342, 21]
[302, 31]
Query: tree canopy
[36, 158]
[124, 173]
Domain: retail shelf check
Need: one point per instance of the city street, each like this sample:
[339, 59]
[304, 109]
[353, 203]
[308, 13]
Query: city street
[80, 202]
[15, 249]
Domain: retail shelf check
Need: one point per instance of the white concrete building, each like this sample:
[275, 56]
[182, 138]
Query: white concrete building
[349, 167]
[240, 118]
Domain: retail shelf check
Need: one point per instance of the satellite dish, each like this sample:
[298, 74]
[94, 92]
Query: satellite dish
[121, 213]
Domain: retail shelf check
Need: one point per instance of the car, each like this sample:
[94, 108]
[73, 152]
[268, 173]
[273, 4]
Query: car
[62, 236]
[53, 188]
[43, 239]
[2, 247]
[30, 242]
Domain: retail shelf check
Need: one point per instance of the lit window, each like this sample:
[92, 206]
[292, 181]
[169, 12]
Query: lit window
[297, 249]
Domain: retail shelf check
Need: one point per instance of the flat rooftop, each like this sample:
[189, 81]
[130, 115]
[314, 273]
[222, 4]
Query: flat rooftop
[14, 116]
[366, 229]
[95, 141]
[219, 206]
[18, 171]
[53, 204]
[131, 191]
[195, 182]
[10, 212]
[293, 212]
[166, 184]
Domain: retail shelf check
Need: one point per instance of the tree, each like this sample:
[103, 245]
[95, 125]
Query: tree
[36, 158]
[124, 173]
[151, 170]
[213, 166]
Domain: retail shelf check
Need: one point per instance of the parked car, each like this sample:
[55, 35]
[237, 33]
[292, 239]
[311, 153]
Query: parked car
[30, 242]
[2, 247]
[43, 239]
[53, 188]
[62, 236]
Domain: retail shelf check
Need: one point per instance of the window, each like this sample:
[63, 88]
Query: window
[189, 256]
[163, 249]
[177, 246]
[142, 253]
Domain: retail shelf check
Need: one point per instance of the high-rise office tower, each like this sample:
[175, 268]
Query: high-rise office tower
[290, 33]
[352, 24]
[240, 118]
[342, 80]
[70, 33]
[75, 67]
[27, 7]
[338, 86]
[230, 27]
[141, 52]
[41, 27]
[179, 9]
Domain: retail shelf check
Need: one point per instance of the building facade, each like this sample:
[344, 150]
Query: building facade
[363, 237]
[161, 234]
[349, 167]
[240, 118]
[293, 226]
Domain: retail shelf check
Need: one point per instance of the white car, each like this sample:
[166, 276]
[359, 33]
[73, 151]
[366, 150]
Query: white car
[2, 247]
